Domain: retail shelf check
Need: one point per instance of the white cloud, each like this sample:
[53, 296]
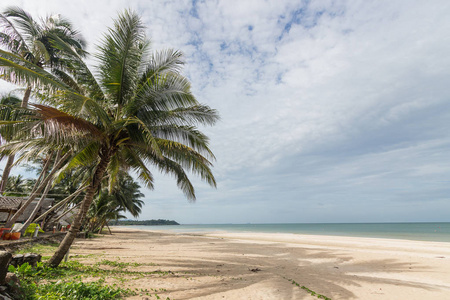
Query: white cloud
[339, 96]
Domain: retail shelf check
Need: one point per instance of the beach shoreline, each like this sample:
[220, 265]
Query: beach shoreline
[262, 266]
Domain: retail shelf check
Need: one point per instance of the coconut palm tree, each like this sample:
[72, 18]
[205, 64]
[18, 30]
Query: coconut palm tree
[126, 194]
[137, 113]
[102, 210]
[16, 186]
[109, 205]
[24, 37]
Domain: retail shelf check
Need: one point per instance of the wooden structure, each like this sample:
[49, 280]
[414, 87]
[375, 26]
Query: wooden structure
[10, 205]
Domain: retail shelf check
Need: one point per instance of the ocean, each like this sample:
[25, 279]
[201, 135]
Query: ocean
[436, 232]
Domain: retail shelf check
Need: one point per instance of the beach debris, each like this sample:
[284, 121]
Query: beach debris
[255, 270]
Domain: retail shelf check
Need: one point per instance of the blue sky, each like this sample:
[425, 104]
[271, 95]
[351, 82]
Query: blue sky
[332, 111]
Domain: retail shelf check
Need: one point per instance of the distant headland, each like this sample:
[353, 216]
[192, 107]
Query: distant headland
[146, 222]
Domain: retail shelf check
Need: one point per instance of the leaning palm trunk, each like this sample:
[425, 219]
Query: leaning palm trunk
[41, 201]
[88, 198]
[107, 226]
[10, 161]
[36, 209]
[33, 195]
[57, 206]
[6, 171]
[66, 212]
[105, 223]
[139, 112]
[101, 227]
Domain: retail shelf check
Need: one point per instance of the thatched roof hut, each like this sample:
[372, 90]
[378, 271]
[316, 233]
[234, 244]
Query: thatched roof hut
[10, 205]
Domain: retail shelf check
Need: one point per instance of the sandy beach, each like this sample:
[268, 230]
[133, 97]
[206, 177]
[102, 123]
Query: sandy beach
[262, 266]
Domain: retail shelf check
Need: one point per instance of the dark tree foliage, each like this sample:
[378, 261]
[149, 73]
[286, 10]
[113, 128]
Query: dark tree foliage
[146, 222]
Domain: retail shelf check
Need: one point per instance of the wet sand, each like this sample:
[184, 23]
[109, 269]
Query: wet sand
[262, 266]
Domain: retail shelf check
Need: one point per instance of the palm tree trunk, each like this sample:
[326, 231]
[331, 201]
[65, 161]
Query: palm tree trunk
[101, 228]
[61, 203]
[109, 229]
[43, 196]
[65, 213]
[37, 190]
[10, 161]
[6, 171]
[58, 256]
[36, 209]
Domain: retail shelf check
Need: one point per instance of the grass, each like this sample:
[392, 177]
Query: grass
[43, 282]
[39, 248]
[66, 281]
[311, 292]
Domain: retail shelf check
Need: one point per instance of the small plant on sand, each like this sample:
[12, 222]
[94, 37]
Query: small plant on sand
[309, 291]
[117, 264]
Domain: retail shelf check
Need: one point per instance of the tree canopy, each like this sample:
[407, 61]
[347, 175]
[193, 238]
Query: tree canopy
[135, 114]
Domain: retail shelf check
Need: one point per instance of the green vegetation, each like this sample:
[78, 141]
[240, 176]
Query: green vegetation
[39, 248]
[83, 130]
[105, 277]
[65, 282]
[309, 291]
[108, 206]
[132, 111]
[146, 222]
[55, 286]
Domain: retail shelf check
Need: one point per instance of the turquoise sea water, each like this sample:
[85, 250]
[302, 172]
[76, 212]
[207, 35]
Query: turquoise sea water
[436, 232]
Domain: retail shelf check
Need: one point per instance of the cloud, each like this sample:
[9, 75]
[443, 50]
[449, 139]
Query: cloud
[325, 105]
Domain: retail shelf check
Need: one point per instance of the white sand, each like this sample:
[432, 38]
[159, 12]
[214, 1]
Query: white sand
[218, 265]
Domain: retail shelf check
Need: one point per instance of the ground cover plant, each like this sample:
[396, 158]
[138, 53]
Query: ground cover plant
[76, 280]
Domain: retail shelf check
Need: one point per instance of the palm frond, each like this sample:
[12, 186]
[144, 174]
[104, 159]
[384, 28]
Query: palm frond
[187, 135]
[133, 160]
[161, 62]
[74, 64]
[59, 121]
[40, 51]
[164, 92]
[10, 43]
[198, 114]
[18, 70]
[23, 21]
[170, 167]
[11, 37]
[133, 130]
[188, 159]
[120, 56]
[63, 28]
[84, 158]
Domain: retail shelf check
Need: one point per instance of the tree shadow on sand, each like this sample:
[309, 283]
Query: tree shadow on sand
[326, 272]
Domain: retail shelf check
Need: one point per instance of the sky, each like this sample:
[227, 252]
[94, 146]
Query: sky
[331, 111]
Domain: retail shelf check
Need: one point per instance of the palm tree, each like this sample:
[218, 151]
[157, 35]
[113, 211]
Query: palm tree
[138, 112]
[8, 103]
[25, 37]
[10, 100]
[126, 195]
[109, 205]
[16, 186]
